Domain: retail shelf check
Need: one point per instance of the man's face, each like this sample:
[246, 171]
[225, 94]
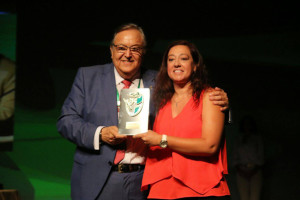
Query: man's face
[126, 53]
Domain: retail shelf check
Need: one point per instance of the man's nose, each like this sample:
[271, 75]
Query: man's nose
[128, 53]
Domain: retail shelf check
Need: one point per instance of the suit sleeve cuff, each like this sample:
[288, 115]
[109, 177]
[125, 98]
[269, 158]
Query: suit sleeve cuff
[97, 137]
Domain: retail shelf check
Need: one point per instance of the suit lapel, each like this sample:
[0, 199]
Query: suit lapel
[110, 96]
[149, 82]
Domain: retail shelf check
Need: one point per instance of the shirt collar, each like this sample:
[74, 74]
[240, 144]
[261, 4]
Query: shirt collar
[119, 79]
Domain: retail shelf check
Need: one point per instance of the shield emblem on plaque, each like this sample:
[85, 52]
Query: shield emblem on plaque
[134, 103]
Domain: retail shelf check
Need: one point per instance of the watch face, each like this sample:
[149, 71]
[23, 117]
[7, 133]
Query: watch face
[163, 144]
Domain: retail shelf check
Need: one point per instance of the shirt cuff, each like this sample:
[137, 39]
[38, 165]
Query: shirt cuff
[97, 137]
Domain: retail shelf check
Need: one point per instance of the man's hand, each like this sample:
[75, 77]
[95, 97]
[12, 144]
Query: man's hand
[111, 135]
[219, 97]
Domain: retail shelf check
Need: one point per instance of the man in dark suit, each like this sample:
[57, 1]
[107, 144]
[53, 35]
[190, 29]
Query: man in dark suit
[89, 119]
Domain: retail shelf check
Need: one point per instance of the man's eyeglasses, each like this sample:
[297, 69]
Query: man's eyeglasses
[135, 49]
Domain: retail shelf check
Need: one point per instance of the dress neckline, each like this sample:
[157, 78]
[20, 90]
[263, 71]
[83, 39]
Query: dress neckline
[183, 109]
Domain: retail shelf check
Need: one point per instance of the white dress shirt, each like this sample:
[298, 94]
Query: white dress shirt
[135, 148]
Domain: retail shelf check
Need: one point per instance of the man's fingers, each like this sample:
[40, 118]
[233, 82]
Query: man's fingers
[119, 136]
[223, 108]
[138, 136]
[111, 135]
[219, 97]
[112, 131]
[218, 89]
[214, 98]
[113, 140]
[216, 93]
[220, 103]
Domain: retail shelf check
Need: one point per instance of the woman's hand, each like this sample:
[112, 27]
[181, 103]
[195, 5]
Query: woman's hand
[150, 138]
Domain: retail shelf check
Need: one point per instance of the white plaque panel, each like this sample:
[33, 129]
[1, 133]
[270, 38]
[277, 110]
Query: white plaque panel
[134, 111]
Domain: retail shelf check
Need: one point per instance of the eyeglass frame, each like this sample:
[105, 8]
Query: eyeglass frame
[139, 51]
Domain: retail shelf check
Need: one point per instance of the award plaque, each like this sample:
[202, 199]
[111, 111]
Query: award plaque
[134, 111]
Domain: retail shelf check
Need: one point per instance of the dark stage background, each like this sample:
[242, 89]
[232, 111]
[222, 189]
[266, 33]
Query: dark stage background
[251, 51]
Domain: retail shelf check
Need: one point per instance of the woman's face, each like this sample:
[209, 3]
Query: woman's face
[180, 64]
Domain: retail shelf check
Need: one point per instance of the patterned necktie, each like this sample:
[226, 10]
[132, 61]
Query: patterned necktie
[121, 152]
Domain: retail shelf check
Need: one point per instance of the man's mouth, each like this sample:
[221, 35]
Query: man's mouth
[130, 61]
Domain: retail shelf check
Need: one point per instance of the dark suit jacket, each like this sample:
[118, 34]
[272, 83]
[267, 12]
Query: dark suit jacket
[92, 103]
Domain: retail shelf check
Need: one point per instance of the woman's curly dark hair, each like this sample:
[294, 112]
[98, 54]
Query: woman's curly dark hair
[164, 89]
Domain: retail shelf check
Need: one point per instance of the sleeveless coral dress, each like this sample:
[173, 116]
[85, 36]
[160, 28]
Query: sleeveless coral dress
[172, 175]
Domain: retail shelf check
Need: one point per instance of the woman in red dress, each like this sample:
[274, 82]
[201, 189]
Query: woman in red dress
[187, 155]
